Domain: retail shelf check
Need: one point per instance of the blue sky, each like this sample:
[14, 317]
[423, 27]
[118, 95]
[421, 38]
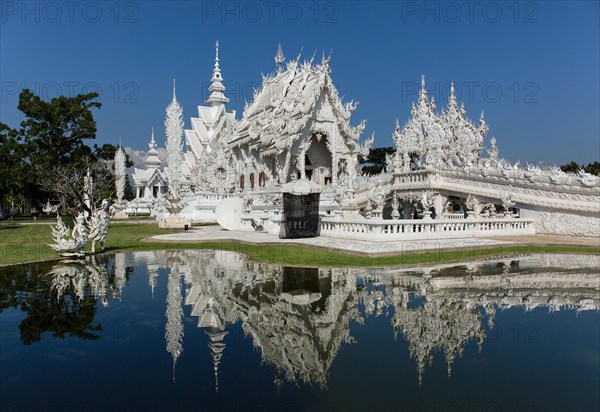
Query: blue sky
[533, 67]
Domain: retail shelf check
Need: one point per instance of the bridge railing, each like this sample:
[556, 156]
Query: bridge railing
[386, 230]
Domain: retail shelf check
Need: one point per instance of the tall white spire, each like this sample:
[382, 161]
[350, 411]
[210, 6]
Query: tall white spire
[174, 133]
[423, 92]
[174, 315]
[279, 59]
[216, 88]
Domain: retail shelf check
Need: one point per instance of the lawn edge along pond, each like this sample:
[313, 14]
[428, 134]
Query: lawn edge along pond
[21, 244]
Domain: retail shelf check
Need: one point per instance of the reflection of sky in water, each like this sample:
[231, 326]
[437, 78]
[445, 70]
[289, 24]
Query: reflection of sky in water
[158, 330]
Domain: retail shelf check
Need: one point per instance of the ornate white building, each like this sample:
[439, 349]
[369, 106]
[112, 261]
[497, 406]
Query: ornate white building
[150, 183]
[297, 127]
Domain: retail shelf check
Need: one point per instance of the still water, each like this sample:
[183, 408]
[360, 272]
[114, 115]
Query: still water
[205, 330]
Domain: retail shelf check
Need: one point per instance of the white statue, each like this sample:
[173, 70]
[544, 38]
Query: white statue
[395, 206]
[557, 176]
[587, 179]
[76, 243]
[98, 225]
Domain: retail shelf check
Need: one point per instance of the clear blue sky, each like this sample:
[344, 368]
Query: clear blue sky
[533, 67]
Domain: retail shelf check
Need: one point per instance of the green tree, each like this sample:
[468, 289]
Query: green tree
[57, 129]
[15, 170]
[572, 167]
[375, 162]
[52, 135]
[593, 168]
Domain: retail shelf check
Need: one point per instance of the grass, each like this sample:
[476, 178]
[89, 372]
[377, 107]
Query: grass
[28, 243]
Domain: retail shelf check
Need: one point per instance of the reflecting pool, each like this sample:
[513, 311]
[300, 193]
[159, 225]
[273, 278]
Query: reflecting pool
[212, 330]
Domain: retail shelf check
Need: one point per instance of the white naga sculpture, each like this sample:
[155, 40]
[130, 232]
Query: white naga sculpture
[74, 242]
[95, 228]
[69, 242]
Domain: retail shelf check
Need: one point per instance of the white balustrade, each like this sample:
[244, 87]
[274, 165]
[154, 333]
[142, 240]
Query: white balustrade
[386, 230]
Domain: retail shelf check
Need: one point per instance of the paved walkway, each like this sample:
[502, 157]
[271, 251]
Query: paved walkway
[361, 247]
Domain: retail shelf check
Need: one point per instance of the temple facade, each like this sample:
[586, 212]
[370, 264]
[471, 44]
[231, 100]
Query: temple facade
[150, 182]
[296, 127]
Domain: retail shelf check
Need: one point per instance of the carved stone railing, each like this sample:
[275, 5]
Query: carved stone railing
[386, 230]
[453, 216]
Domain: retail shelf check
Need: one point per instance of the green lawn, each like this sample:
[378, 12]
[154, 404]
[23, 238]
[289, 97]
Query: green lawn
[27, 243]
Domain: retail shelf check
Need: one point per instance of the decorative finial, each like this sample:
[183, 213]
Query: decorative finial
[216, 88]
[423, 92]
[152, 141]
[452, 106]
[279, 58]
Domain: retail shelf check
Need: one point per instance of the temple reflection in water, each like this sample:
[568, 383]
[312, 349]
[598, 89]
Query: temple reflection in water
[298, 318]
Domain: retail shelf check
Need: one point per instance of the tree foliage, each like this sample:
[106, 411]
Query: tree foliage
[375, 162]
[40, 157]
[574, 167]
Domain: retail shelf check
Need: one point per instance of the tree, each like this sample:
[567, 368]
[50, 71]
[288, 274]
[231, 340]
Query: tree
[376, 160]
[57, 129]
[45, 158]
[593, 168]
[66, 183]
[572, 167]
[15, 171]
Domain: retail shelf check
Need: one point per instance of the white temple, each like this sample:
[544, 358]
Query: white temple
[297, 127]
[150, 183]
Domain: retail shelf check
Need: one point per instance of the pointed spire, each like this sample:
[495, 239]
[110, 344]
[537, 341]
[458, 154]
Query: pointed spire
[216, 347]
[152, 141]
[152, 160]
[452, 105]
[279, 59]
[216, 88]
[423, 92]
[174, 92]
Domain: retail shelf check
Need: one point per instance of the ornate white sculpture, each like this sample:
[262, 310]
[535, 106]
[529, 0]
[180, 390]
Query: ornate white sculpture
[438, 140]
[587, 179]
[98, 225]
[174, 315]
[531, 171]
[120, 183]
[70, 242]
[120, 174]
[557, 176]
[174, 132]
[395, 205]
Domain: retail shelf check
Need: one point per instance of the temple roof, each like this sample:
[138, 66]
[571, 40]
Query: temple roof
[286, 102]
